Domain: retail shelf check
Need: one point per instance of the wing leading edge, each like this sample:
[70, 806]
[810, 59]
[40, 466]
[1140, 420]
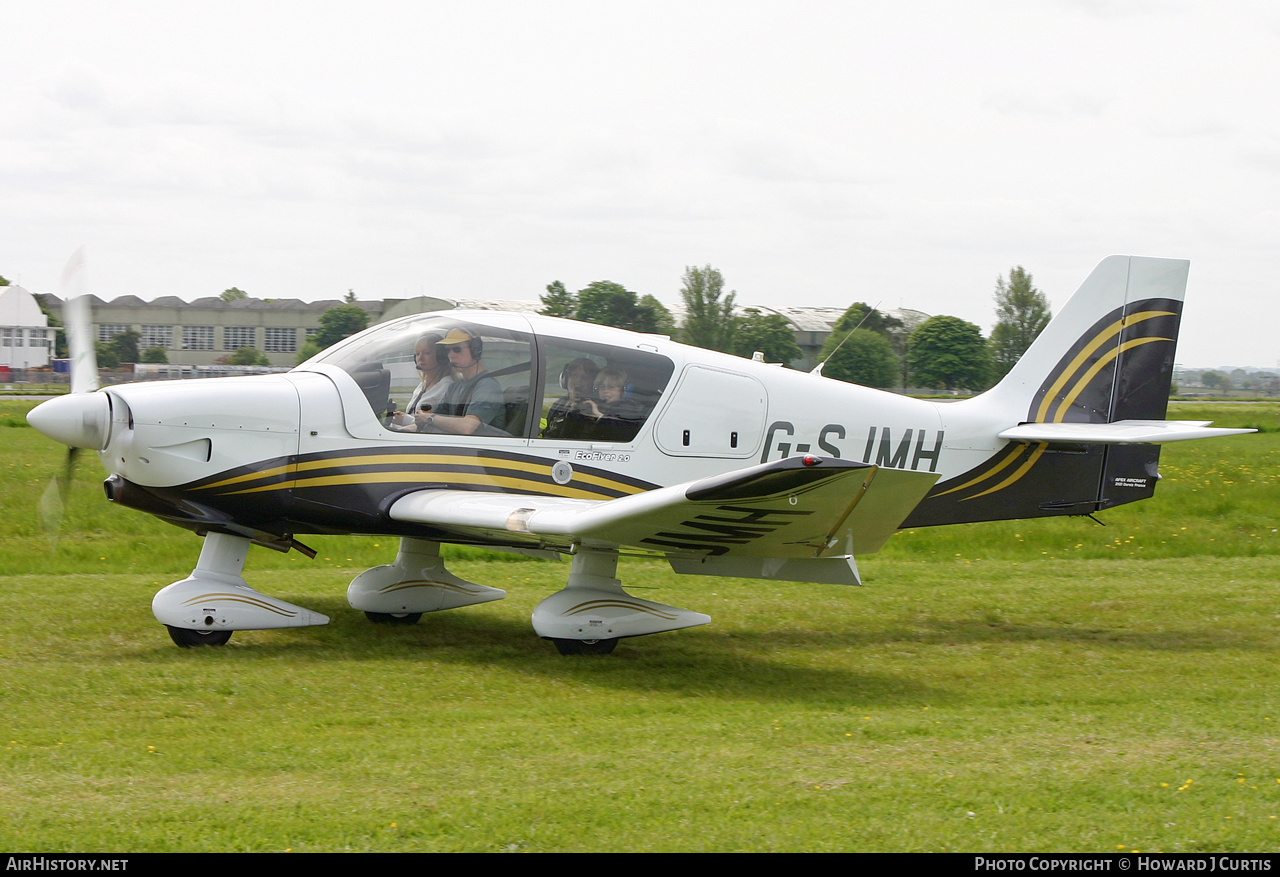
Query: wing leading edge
[796, 519]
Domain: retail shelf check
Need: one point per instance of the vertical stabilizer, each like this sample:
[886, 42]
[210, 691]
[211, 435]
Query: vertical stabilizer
[1108, 354]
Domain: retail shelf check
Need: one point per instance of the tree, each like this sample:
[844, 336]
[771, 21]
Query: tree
[350, 297]
[1216, 380]
[121, 348]
[861, 315]
[709, 320]
[125, 345]
[247, 356]
[339, 322]
[308, 350]
[608, 304]
[865, 357]
[655, 312]
[949, 352]
[559, 302]
[3, 281]
[769, 334]
[865, 363]
[59, 337]
[1022, 311]
[233, 294]
[155, 354]
[105, 354]
[611, 304]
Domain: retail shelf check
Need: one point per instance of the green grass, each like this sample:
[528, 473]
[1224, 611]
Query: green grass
[1038, 685]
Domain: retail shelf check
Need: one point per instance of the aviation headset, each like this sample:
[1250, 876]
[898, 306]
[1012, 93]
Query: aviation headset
[442, 355]
[472, 340]
[581, 362]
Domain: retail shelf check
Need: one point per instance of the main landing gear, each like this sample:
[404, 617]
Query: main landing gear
[593, 612]
[587, 617]
[415, 583]
[205, 607]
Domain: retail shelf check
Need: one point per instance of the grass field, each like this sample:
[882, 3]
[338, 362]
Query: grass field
[1039, 685]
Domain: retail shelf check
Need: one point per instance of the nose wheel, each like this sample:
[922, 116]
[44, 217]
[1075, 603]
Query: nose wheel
[585, 646]
[188, 638]
[397, 618]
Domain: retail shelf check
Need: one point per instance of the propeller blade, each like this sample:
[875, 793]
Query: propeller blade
[84, 361]
[53, 501]
[84, 379]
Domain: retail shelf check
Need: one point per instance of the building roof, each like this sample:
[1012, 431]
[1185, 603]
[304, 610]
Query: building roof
[215, 302]
[802, 319]
[18, 307]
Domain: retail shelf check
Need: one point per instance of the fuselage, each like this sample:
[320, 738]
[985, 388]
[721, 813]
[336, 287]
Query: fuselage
[313, 451]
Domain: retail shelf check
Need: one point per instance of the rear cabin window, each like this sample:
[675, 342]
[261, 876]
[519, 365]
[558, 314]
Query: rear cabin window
[598, 393]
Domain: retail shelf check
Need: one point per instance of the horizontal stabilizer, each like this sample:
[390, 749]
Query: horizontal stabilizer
[1122, 432]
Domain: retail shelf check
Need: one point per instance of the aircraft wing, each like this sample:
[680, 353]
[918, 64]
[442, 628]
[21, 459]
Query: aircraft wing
[798, 518]
[1122, 432]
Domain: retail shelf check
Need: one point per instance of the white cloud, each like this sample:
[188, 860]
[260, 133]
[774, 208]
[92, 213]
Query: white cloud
[815, 152]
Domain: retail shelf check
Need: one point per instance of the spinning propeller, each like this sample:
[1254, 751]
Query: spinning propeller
[81, 419]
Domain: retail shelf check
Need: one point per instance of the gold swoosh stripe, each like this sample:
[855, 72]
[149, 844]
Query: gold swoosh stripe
[252, 476]
[516, 483]
[519, 466]
[1065, 405]
[597, 605]
[216, 597]
[413, 584]
[991, 473]
[1098, 366]
[1091, 348]
[519, 479]
[1021, 470]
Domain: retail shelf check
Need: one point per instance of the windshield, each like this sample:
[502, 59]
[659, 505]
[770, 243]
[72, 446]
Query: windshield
[441, 374]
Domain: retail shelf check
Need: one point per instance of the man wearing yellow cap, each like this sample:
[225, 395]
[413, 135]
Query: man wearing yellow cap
[474, 399]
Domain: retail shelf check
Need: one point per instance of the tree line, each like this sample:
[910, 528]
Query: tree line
[865, 346]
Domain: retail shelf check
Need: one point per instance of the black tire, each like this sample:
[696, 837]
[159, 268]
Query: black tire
[396, 618]
[586, 646]
[190, 638]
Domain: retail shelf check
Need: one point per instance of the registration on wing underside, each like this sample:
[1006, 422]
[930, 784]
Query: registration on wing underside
[780, 509]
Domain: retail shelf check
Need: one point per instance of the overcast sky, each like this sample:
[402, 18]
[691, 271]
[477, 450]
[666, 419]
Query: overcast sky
[817, 153]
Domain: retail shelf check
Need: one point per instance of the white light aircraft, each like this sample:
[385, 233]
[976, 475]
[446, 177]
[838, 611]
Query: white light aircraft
[558, 437]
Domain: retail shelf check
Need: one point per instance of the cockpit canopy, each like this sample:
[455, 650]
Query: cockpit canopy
[527, 386]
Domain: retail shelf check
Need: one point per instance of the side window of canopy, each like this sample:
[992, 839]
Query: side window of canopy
[597, 392]
[441, 375]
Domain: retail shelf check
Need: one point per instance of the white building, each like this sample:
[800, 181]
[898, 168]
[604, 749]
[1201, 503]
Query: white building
[25, 336]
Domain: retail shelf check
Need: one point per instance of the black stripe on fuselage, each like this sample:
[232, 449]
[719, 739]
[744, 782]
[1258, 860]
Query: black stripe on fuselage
[463, 467]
